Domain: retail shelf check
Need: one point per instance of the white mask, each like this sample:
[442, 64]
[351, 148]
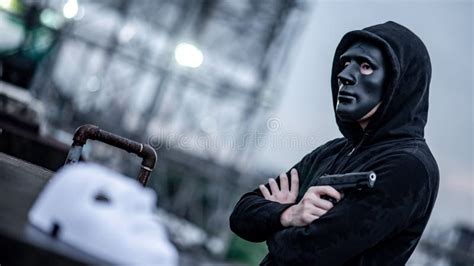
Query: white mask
[105, 214]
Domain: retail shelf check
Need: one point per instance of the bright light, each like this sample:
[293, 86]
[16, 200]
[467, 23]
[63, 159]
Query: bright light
[188, 55]
[70, 9]
[12, 6]
[51, 19]
[6, 4]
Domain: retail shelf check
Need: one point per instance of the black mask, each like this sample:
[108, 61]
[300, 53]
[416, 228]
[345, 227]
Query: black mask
[361, 81]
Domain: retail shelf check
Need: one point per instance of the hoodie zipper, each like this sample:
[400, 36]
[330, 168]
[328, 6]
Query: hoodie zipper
[343, 162]
[358, 144]
[350, 153]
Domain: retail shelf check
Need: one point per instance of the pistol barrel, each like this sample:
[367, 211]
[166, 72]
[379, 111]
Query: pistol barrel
[357, 180]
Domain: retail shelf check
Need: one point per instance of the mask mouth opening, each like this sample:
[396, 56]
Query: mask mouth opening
[55, 230]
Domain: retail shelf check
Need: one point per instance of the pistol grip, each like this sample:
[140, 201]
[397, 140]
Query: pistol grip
[331, 199]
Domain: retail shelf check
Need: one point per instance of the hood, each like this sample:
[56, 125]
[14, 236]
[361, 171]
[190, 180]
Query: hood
[404, 109]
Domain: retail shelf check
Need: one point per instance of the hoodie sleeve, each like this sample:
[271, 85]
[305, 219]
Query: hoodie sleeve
[360, 220]
[254, 218]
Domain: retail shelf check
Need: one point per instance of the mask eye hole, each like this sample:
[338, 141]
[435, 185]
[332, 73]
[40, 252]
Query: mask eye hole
[366, 68]
[101, 197]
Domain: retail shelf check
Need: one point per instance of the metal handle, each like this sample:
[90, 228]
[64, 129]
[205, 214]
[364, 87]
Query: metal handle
[85, 132]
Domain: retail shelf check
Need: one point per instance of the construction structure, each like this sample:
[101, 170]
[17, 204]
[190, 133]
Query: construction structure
[194, 79]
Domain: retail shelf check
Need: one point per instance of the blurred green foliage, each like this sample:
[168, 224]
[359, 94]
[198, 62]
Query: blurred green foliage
[248, 253]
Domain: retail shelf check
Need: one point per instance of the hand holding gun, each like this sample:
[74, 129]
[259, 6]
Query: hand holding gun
[349, 181]
[311, 207]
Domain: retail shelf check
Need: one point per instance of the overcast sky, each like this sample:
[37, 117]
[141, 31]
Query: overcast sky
[305, 115]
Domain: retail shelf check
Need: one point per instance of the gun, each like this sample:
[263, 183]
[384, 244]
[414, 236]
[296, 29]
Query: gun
[349, 181]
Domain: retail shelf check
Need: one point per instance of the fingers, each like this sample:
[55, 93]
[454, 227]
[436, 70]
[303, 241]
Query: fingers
[314, 200]
[284, 182]
[273, 185]
[311, 212]
[281, 192]
[324, 204]
[318, 212]
[308, 218]
[264, 191]
[326, 190]
[295, 182]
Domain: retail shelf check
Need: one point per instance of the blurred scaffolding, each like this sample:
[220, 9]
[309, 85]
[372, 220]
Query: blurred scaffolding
[196, 79]
[120, 64]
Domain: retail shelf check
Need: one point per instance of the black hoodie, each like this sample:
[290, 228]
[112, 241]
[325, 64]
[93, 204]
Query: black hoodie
[381, 226]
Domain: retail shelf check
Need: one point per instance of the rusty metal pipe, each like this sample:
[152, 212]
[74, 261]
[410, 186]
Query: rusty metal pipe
[85, 132]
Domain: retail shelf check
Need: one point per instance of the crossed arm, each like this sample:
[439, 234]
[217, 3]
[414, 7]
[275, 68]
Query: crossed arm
[310, 207]
[269, 209]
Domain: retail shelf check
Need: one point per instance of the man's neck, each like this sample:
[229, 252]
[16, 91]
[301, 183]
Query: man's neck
[363, 124]
[364, 121]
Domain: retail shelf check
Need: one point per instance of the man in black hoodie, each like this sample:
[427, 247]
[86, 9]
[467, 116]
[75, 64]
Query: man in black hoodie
[380, 81]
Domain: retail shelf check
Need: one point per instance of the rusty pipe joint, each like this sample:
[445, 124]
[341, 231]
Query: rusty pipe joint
[85, 132]
[148, 163]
